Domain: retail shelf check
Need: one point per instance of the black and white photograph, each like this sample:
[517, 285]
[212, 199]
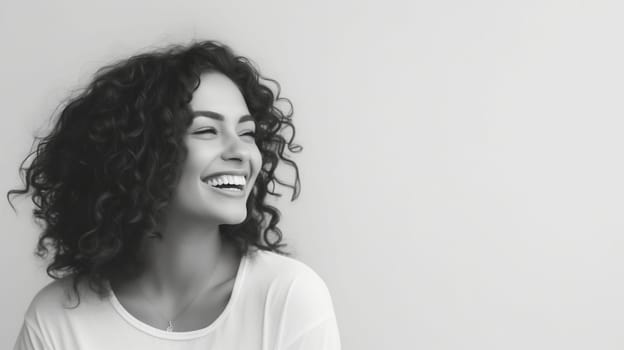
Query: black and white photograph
[294, 175]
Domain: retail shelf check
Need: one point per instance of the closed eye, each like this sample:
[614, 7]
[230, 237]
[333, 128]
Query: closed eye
[213, 131]
[205, 131]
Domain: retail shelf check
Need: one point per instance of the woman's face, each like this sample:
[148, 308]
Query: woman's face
[223, 160]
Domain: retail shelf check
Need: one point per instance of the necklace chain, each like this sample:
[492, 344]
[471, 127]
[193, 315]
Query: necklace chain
[170, 321]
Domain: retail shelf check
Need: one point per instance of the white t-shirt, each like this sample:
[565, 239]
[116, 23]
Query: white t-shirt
[277, 303]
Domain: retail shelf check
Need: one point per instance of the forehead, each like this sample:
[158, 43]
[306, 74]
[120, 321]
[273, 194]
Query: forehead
[217, 93]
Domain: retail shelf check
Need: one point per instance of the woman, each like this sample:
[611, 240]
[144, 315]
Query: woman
[151, 191]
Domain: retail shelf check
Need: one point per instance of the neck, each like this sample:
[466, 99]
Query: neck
[185, 261]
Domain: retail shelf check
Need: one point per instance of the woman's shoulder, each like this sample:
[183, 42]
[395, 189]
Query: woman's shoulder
[55, 298]
[300, 282]
[295, 294]
[50, 296]
[275, 265]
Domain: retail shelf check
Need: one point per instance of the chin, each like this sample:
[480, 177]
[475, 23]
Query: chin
[234, 222]
[232, 218]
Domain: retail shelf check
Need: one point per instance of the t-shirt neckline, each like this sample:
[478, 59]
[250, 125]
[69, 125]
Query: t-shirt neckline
[157, 332]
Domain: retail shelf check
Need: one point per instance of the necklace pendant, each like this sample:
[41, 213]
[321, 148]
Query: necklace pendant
[170, 327]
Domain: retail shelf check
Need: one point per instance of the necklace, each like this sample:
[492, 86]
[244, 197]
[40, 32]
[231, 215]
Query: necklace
[171, 321]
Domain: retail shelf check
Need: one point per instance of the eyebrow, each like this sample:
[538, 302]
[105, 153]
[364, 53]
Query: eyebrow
[219, 117]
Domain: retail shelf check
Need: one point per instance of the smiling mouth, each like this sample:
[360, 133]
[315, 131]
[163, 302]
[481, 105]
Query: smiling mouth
[229, 183]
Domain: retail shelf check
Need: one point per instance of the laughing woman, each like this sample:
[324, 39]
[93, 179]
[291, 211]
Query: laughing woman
[151, 191]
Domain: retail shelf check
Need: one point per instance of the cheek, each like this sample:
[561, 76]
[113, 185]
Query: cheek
[194, 165]
[256, 159]
[191, 168]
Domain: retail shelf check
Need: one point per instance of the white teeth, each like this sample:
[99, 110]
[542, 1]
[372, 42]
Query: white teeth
[227, 179]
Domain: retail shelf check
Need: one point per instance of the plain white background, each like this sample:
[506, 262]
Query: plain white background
[462, 168]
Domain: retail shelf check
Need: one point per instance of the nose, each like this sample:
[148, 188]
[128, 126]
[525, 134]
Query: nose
[235, 149]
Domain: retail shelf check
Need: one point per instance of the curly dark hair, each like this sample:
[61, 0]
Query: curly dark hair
[110, 165]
